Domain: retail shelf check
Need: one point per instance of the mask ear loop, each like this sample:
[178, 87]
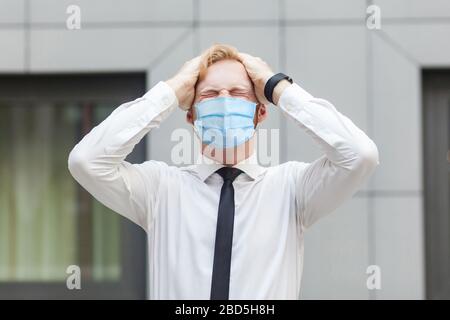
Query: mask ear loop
[194, 126]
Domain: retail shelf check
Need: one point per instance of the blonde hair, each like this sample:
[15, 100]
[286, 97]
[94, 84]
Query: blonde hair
[215, 53]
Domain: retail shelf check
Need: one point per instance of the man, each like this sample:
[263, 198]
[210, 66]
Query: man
[226, 228]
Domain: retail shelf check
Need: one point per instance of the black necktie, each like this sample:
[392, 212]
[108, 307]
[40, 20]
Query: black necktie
[224, 235]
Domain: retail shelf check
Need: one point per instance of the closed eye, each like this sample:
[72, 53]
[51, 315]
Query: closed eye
[208, 94]
[239, 93]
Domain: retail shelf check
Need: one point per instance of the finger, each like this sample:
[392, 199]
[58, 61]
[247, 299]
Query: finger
[244, 56]
[193, 66]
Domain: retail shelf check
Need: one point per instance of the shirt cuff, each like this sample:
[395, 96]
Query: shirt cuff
[294, 97]
[163, 93]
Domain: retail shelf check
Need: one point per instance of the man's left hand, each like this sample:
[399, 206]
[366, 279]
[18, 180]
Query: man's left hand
[259, 72]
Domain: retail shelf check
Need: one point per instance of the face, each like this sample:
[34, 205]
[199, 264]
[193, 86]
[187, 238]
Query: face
[226, 78]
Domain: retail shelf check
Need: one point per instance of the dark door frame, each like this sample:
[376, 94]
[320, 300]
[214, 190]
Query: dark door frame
[86, 88]
[436, 138]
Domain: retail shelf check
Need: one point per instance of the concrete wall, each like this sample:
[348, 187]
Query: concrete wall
[372, 76]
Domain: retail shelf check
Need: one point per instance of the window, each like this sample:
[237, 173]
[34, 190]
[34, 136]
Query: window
[47, 221]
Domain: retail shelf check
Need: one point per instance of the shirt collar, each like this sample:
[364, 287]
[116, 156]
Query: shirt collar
[206, 166]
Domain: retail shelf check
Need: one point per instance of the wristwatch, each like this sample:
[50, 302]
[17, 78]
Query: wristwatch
[272, 82]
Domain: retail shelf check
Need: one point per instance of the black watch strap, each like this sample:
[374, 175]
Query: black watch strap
[272, 82]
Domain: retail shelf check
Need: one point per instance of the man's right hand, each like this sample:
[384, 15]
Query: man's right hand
[183, 83]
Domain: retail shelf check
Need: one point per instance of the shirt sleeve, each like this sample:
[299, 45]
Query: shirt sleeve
[97, 161]
[350, 155]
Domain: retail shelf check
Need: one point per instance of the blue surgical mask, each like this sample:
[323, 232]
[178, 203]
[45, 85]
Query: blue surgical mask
[225, 122]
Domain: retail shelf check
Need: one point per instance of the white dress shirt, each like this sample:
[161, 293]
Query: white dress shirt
[177, 207]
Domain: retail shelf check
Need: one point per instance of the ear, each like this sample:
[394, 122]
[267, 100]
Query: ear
[260, 114]
[190, 115]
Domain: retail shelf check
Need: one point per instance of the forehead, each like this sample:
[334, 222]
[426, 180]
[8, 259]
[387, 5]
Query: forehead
[225, 74]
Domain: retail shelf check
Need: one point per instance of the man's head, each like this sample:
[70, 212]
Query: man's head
[222, 74]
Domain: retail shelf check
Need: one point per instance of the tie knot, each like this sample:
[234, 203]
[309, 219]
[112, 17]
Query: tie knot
[229, 173]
